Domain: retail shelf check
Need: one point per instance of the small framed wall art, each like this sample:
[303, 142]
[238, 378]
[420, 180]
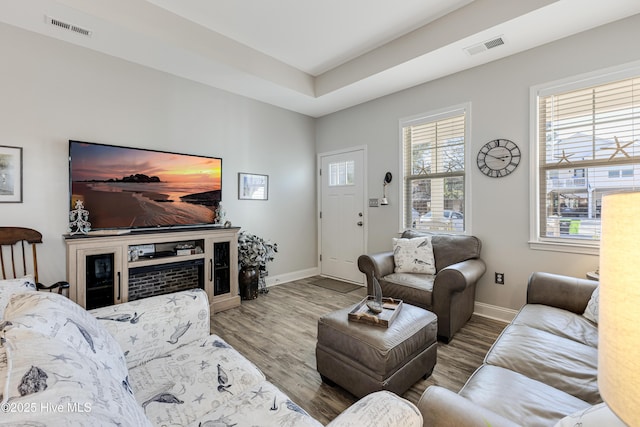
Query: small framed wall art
[252, 186]
[10, 174]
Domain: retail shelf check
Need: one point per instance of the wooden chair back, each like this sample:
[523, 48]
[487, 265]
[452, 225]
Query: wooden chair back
[18, 254]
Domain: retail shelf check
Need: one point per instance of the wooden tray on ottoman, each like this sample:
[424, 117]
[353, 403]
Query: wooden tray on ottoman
[390, 309]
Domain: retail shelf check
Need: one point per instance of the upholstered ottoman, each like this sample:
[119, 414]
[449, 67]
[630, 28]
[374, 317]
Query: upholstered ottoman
[364, 358]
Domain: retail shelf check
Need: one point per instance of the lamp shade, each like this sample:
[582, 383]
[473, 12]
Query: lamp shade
[619, 306]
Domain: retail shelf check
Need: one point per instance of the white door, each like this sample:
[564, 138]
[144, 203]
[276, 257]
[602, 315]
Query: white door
[342, 220]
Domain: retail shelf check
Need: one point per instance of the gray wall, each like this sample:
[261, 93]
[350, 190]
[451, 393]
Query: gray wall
[51, 92]
[499, 97]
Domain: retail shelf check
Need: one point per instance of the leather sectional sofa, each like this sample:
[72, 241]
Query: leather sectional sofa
[542, 368]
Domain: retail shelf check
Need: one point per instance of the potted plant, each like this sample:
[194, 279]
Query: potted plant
[253, 255]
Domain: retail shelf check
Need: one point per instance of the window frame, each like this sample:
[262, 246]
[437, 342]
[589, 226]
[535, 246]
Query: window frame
[431, 116]
[574, 83]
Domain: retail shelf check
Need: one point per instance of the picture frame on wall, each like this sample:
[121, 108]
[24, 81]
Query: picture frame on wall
[253, 186]
[10, 174]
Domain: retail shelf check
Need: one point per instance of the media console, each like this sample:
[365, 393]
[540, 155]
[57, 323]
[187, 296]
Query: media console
[105, 269]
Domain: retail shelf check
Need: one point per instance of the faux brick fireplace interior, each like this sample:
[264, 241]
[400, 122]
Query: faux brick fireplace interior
[165, 278]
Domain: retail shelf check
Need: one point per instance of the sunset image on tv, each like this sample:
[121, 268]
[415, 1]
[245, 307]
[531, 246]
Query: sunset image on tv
[127, 187]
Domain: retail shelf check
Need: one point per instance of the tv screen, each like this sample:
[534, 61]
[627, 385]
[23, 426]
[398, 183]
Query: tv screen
[125, 187]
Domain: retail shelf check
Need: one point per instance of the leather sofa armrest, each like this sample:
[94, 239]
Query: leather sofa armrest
[443, 408]
[457, 277]
[568, 293]
[376, 265]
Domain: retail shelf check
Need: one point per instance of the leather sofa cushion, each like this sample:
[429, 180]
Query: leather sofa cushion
[558, 362]
[382, 350]
[519, 398]
[559, 322]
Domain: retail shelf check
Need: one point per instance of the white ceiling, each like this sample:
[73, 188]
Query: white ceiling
[313, 57]
[312, 36]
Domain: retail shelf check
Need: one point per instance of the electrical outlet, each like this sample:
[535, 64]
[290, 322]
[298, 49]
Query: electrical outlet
[500, 278]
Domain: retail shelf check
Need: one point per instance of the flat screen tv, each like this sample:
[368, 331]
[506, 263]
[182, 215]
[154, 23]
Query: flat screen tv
[126, 188]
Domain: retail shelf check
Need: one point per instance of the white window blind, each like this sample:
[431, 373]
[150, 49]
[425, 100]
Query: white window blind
[434, 172]
[588, 146]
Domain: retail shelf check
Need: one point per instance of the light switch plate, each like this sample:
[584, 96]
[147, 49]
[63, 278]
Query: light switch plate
[373, 203]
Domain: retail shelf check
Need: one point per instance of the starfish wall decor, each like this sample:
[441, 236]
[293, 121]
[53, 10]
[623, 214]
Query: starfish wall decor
[564, 157]
[619, 148]
[423, 170]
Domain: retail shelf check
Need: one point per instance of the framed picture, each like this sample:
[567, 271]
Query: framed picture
[10, 174]
[252, 186]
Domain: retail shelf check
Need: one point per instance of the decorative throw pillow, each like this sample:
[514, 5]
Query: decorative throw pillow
[594, 416]
[591, 312]
[414, 255]
[10, 287]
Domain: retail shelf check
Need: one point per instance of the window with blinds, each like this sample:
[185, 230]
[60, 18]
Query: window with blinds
[434, 171]
[588, 145]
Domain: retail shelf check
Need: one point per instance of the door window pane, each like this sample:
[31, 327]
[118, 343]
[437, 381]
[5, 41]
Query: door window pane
[341, 173]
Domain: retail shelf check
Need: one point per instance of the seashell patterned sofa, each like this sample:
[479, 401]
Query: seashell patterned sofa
[144, 363]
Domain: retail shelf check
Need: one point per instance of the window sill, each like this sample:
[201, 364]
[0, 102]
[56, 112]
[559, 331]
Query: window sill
[574, 248]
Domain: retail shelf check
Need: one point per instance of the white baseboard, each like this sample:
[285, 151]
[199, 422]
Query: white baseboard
[494, 312]
[290, 277]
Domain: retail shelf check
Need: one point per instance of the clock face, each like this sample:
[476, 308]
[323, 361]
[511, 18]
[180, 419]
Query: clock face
[498, 158]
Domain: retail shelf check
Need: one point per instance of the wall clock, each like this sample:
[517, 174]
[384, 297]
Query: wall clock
[498, 158]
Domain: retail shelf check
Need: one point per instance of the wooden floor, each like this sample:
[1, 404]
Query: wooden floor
[277, 332]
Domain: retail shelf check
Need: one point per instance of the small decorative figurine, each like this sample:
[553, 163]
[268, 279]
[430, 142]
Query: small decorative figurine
[79, 219]
[220, 214]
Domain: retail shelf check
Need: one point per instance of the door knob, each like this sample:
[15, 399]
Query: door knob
[360, 223]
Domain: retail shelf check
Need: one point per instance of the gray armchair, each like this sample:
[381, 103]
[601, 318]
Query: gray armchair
[450, 293]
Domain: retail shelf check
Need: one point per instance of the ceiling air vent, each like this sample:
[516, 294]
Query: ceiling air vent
[484, 46]
[67, 26]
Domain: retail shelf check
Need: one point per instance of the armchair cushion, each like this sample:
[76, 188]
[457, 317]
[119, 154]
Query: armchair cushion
[410, 287]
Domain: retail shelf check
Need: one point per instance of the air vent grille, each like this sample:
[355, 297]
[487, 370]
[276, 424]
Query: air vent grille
[494, 43]
[484, 46]
[67, 26]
